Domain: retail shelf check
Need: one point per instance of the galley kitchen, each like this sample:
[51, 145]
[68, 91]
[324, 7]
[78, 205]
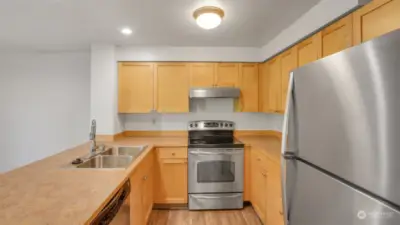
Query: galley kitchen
[131, 112]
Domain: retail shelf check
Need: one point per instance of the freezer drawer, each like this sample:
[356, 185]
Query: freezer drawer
[215, 201]
[315, 198]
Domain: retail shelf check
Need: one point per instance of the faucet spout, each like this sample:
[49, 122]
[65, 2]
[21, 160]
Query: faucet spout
[92, 137]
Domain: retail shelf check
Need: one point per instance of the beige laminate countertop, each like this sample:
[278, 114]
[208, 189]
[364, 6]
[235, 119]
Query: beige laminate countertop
[48, 192]
[270, 145]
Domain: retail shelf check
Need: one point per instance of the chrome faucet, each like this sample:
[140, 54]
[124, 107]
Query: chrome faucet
[92, 137]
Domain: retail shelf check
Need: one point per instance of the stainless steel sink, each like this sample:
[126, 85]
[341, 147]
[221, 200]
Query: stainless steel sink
[133, 151]
[107, 161]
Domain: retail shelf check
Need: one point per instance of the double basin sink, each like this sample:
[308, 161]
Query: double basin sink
[118, 157]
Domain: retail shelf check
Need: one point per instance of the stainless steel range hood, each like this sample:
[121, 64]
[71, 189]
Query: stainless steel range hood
[214, 92]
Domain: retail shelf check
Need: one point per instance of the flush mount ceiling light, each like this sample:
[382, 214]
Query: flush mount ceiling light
[208, 17]
[126, 31]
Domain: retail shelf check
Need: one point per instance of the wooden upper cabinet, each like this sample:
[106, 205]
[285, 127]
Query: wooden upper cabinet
[338, 36]
[249, 87]
[202, 74]
[275, 85]
[172, 87]
[375, 19]
[288, 63]
[309, 50]
[135, 87]
[264, 85]
[227, 74]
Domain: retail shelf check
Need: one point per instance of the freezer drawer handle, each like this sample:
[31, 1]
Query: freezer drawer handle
[217, 153]
[216, 197]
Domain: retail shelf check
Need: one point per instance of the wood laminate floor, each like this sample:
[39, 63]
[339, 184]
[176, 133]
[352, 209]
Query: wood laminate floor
[246, 216]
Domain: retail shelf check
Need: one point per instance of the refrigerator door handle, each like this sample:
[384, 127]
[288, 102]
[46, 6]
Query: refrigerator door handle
[284, 153]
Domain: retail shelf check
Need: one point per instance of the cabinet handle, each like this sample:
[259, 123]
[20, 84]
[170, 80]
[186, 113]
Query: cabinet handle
[264, 174]
[258, 159]
[280, 212]
[173, 153]
[145, 178]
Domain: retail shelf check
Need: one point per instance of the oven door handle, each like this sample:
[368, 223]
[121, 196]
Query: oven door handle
[216, 197]
[216, 153]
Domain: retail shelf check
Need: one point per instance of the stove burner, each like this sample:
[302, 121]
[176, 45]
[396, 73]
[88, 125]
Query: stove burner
[212, 134]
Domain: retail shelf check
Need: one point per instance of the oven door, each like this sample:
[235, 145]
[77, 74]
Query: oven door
[215, 170]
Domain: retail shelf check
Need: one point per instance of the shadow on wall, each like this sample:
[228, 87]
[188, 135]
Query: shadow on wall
[203, 109]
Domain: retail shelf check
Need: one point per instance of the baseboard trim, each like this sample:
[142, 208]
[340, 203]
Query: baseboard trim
[170, 206]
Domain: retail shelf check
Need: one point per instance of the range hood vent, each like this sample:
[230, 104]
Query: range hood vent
[214, 92]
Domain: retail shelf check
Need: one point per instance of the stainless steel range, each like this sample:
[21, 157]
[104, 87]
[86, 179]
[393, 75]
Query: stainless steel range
[215, 166]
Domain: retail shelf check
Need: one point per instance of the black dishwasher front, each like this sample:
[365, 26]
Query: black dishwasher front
[109, 212]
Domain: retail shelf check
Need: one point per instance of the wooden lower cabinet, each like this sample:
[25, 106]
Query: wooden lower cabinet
[266, 194]
[136, 209]
[141, 196]
[274, 194]
[171, 176]
[259, 185]
[247, 174]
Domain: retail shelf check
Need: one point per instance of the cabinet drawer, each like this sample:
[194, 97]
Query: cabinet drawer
[172, 153]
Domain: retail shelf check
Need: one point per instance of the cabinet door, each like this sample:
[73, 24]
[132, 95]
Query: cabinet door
[375, 19]
[171, 187]
[288, 63]
[337, 36]
[275, 84]
[202, 74]
[147, 190]
[248, 87]
[136, 205]
[309, 50]
[172, 87]
[135, 87]
[258, 190]
[264, 86]
[227, 74]
[274, 195]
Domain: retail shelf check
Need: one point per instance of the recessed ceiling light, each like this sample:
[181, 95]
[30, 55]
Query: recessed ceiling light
[126, 31]
[208, 17]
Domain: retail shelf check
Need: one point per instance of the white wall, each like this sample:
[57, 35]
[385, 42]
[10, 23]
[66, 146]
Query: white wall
[104, 89]
[217, 54]
[203, 109]
[44, 105]
[318, 16]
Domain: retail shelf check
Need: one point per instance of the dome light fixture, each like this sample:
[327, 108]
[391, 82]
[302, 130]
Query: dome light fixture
[208, 17]
[126, 31]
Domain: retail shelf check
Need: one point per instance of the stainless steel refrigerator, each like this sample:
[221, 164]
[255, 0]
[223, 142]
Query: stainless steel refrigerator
[341, 145]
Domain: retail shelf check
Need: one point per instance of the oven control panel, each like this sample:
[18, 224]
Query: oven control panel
[211, 125]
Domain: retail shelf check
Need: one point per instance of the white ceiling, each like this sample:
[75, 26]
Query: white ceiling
[75, 24]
